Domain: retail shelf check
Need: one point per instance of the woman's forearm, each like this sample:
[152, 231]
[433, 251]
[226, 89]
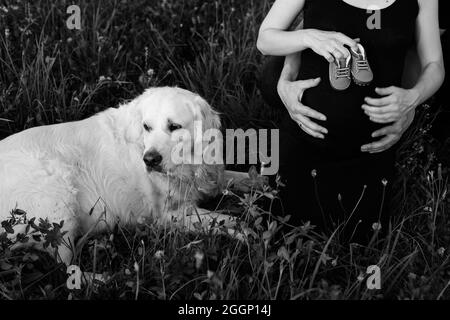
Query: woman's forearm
[291, 67]
[429, 82]
[282, 43]
[292, 62]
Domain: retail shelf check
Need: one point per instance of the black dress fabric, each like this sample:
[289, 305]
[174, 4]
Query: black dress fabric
[331, 182]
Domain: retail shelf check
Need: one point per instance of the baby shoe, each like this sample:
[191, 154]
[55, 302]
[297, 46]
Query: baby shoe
[361, 71]
[339, 72]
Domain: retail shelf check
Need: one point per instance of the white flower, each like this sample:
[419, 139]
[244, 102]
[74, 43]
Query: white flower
[384, 182]
[199, 256]
[141, 220]
[314, 173]
[376, 226]
[441, 251]
[334, 262]
[150, 72]
[361, 277]
[412, 276]
[159, 254]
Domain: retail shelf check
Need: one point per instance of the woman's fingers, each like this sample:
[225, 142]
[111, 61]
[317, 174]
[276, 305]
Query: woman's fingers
[380, 146]
[387, 119]
[393, 129]
[311, 125]
[327, 55]
[304, 113]
[347, 41]
[337, 50]
[311, 113]
[385, 91]
[375, 111]
[307, 84]
[379, 102]
[311, 132]
[308, 126]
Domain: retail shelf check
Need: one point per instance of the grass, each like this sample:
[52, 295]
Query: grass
[51, 74]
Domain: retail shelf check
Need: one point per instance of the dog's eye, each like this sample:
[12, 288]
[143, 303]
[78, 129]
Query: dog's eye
[174, 126]
[146, 127]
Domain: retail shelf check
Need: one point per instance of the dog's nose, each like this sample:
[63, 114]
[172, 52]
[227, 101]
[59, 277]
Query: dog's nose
[152, 159]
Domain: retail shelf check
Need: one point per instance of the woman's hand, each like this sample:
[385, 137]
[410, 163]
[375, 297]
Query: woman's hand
[393, 106]
[329, 44]
[291, 93]
[392, 134]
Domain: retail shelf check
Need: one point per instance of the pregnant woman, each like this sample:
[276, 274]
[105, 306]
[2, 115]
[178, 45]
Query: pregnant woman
[352, 58]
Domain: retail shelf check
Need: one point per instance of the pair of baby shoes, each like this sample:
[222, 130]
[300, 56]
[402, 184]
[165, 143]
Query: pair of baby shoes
[355, 66]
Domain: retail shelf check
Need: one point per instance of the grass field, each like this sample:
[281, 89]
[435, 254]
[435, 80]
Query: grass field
[50, 74]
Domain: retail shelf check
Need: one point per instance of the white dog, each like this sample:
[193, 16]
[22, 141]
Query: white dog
[117, 162]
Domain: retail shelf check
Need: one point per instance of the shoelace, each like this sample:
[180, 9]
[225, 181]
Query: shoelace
[342, 72]
[362, 65]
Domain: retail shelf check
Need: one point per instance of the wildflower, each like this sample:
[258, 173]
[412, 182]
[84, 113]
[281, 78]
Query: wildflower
[141, 220]
[361, 277]
[127, 272]
[225, 192]
[430, 176]
[159, 254]
[314, 173]
[199, 256]
[334, 262]
[376, 226]
[384, 182]
[150, 72]
[412, 276]
[136, 267]
[441, 251]
[7, 33]
[428, 209]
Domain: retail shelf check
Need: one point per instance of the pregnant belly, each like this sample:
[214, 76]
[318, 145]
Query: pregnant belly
[348, 126]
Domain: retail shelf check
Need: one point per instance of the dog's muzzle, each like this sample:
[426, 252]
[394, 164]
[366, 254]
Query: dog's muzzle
[153, 160]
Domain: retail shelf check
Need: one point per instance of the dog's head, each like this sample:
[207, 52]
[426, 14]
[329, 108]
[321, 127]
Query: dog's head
[177, 130]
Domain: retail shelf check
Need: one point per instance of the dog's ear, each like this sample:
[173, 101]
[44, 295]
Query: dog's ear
[204, 112]
[133, 122]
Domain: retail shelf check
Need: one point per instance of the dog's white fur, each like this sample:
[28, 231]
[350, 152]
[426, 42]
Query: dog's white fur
[62, 171]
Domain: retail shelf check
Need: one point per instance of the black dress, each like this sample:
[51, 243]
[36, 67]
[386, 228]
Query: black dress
[331, 181]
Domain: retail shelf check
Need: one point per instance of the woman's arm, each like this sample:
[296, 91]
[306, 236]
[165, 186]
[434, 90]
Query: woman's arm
[273, 39]
[397, 102]
[291, 92]
[292, 63]
[429, 49]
